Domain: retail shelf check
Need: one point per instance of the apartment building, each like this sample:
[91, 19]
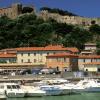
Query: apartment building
[63, 61]
[29, 57]
[87, 60]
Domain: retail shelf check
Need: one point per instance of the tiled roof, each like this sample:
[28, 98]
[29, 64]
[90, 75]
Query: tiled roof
[7, 56]
[73, 49]
[62, 55]
[89, 56]
[47, 48]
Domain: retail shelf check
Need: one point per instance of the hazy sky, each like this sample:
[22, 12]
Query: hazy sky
[88, 8]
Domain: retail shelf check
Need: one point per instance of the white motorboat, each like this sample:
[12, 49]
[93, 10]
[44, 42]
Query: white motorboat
[87, 85]
[32, 91]
[12, 90]
[51, 90]
[65, 85]
[61, 83]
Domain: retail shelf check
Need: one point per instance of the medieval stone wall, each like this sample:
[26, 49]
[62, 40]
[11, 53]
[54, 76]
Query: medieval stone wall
[75, 20]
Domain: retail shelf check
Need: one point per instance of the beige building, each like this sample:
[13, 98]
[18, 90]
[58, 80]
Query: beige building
[92, 67]
[29, 57]
[84, 59]
[37, 55]
[89, 49]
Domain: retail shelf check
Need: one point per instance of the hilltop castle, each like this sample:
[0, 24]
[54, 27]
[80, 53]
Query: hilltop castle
[75, 20]
[17, 9]
[13, 11]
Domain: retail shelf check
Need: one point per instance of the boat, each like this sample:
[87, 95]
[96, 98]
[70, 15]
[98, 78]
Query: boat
[65, 85]
[12, 90]
[51, 90]
[87, 85]
[32, 91]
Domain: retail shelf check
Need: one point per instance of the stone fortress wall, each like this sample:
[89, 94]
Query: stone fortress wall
[75, 20]
[16, 10]
[12, 12]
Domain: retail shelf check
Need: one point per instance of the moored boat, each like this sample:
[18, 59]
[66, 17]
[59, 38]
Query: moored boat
[12, 90]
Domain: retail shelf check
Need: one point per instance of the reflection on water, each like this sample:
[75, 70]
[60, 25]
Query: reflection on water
[84, 96]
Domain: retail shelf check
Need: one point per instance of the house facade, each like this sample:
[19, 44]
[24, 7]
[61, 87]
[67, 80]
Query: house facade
[63, 61]
[30, 57]
[92, 67]
[84, 59]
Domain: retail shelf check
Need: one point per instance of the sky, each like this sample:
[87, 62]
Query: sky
[86, 8]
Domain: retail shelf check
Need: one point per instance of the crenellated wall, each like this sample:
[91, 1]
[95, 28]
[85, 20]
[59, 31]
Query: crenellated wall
[75, 20]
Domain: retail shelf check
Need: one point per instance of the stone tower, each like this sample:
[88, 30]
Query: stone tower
[16, 10]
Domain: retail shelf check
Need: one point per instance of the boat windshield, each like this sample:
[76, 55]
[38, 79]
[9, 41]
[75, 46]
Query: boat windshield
[84, 83]
[9, 87]
[17, 86]
[14, 86]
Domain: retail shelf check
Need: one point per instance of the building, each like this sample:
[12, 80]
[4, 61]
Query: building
[92, 67]
[84, 59]
[38, 54]
[13, 11]
[89, 49]
[90, 46]
[63, 61]
[31, 57]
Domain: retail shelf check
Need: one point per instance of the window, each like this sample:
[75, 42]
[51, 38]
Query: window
[21, 54]
[28, 54]
[47, 53]
[34, 54]
[28, 60]
[83, 60]
[64, 59]
[74, 59]
[22, 60]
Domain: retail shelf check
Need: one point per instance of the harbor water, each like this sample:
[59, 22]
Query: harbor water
[83, 96]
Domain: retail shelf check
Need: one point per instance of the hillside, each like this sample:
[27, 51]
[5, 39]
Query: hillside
[29, 30]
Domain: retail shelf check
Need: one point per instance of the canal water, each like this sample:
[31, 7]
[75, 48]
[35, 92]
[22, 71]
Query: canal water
[84, 96]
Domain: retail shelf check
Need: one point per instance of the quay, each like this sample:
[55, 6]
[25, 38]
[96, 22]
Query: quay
[42, 77]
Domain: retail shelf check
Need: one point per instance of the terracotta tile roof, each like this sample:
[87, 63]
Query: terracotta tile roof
[47, 48]
[73, 49]
[7, 56]
[92, 63]
[62, 55]
[89, 56]
[8, 50]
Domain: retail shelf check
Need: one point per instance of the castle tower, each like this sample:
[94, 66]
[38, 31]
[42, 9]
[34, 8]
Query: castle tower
[16, 10]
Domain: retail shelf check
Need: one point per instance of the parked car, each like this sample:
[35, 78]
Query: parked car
[36, 71]
[50, 71]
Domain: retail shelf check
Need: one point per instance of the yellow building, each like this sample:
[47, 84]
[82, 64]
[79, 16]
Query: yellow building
[29, 57]
[92, 67]
[37, 55]
[84, 59]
